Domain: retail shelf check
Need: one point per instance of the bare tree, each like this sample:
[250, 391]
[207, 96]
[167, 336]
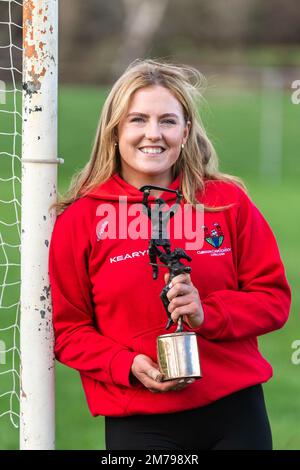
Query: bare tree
[71, 23]
[142, 19]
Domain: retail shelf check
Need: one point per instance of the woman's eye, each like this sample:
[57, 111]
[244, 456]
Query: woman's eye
[168, 121]
[137, 119]
[141, 119]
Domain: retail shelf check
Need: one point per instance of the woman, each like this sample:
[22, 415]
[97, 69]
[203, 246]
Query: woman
[107, 312]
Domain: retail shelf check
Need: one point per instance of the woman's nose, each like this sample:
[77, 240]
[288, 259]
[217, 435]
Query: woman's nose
[153, 131]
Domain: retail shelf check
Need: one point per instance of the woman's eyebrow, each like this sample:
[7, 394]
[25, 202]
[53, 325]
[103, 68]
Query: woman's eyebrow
[147, 115]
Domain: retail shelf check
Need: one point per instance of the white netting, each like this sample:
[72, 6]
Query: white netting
[10, 182]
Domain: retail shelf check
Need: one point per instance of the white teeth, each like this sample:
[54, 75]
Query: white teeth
[151, 150]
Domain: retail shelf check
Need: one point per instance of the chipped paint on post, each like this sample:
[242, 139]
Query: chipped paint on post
[36, 45]
[39, 182]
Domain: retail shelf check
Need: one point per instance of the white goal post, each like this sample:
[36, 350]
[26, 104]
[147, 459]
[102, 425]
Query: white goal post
[39, 191]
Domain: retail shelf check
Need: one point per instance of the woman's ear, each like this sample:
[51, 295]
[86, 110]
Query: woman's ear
[115, 134]
[187, 131]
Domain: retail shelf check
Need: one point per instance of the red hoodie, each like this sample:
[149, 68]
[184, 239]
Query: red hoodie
[107, 309]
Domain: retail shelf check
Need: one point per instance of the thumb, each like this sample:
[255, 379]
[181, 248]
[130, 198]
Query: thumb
[167, 277]
[155, 374]
[153, 371]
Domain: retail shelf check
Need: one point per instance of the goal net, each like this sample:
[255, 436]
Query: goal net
[10, 227]
[28, 178]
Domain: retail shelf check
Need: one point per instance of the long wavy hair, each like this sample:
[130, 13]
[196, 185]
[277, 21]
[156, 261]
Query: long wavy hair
[197, 161]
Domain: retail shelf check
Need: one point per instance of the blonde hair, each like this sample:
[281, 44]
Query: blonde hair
[197, 161]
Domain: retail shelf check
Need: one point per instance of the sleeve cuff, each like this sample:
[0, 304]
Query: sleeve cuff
[120, 367]
[213, 323]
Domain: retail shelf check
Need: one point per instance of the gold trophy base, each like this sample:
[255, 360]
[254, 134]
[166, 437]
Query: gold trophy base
[178, 356]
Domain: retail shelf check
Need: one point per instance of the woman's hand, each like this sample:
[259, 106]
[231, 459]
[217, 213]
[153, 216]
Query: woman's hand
[184, 300]
[148, 373]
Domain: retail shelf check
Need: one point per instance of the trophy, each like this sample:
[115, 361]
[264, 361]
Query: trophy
[177, 352]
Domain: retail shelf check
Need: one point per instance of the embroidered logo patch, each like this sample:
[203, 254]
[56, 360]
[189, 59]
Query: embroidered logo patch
[101, 230]
[215, 237]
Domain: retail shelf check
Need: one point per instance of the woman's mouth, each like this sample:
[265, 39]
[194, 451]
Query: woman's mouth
[152, 150]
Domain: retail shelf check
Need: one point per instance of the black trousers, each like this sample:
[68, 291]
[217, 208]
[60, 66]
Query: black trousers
[238, 421]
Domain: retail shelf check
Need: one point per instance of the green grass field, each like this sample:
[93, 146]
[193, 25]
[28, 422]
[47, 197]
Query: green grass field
[232, 118]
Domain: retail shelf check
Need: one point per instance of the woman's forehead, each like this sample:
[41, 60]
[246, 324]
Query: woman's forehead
[154, 97]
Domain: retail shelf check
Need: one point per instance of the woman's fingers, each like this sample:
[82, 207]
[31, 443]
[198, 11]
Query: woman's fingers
[155, 384]
[183, 383]
[184, 278]
[155, 374]
[147, 372]
[171, 385]
[185, 301]
[189, 308]
[188, 313]
[179, 290]
[180, 285]
[180, 301]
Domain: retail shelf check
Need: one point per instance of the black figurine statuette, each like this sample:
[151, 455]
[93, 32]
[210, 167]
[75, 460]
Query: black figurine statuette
[159, 238]
[177, 352]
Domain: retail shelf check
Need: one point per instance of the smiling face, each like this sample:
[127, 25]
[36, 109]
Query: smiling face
[150, 136]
